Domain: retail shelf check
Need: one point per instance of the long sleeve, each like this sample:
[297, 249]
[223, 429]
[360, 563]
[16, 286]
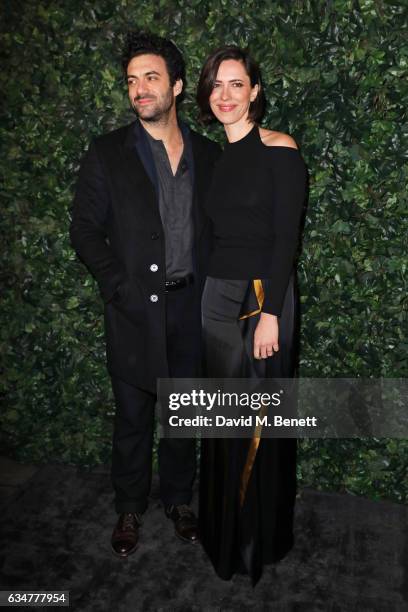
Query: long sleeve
[88, 233]
[289, 190]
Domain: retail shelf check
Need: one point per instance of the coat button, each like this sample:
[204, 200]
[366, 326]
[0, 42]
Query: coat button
[154, 297]
[155, 236]
[154, 268]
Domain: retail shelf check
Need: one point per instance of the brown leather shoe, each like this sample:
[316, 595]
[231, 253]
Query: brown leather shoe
[185, 522]
[125, 536]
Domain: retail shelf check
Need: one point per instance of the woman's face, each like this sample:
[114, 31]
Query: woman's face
[232, 93]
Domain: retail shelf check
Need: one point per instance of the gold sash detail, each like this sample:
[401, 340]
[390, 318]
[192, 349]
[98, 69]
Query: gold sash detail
[254, 443]
[250, 460]
[259, 292]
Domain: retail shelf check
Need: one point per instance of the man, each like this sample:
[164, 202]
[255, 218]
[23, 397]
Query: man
[139, 226]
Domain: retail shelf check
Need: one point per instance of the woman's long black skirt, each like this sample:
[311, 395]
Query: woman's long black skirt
[241, 534]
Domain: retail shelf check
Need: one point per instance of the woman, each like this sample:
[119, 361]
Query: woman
[247, 486]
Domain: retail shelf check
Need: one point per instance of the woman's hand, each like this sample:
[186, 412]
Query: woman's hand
[266, 336]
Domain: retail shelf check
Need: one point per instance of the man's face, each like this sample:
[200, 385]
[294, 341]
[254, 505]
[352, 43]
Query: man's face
[150, 93]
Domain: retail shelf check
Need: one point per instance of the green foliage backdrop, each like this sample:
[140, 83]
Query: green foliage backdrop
[335, 75]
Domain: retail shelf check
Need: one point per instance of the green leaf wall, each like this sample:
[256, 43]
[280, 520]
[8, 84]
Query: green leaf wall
[336, 78]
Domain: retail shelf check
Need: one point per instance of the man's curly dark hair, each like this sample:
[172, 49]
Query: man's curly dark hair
[140, 43]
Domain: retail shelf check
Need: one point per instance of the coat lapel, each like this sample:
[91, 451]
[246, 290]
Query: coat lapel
[141, 171]
[139, 164]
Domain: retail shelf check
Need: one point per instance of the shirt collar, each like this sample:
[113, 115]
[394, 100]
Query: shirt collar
[186, 134]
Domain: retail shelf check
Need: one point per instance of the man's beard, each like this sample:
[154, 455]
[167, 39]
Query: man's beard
[158, 112]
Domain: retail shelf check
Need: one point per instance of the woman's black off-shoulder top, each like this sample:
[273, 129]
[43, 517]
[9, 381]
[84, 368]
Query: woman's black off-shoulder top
[255, 203]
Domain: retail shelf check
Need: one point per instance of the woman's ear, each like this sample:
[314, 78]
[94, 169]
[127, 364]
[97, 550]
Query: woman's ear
[254, 92]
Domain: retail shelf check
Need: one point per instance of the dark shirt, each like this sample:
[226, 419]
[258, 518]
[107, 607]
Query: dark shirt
[255, 202]
[175, 195]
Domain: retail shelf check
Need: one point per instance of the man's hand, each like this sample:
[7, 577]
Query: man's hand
[266, 336]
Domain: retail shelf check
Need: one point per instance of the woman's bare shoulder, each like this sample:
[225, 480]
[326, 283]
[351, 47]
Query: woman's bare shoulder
[270, 138]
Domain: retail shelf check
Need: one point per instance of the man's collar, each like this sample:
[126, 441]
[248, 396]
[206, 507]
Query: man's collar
[185, 130]
[137, 131]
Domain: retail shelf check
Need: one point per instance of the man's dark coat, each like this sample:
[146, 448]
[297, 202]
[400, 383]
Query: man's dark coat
[117, 232]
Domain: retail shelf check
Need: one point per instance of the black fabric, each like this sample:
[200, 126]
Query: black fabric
[134, 419]
[243, 539]
[256, 202]
[175, 204]
[132, 446]
[117, 231]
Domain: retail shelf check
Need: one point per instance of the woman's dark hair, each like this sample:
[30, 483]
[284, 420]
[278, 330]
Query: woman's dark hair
[209, 74]
[140, 43]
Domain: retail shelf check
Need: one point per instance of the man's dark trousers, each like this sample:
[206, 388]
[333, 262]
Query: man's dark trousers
[134, 419]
